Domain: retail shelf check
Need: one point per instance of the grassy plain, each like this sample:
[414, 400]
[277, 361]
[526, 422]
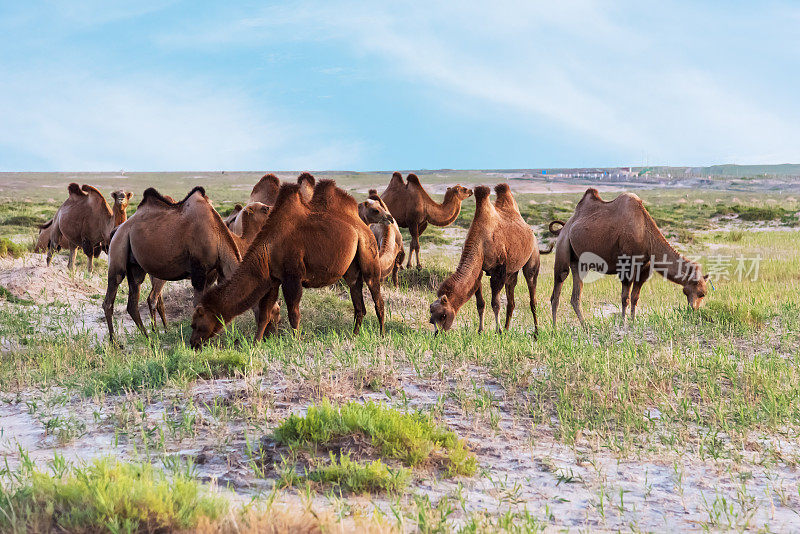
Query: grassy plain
[686, 420]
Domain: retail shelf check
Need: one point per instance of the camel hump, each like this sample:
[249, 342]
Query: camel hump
[482, 192]
[592, 193]
[75, 190]
[502, 189]
[269, 182]
[90, 190]
[285, 193]
[413, 179]
[397, 176]
[152, 195]
[307, 177]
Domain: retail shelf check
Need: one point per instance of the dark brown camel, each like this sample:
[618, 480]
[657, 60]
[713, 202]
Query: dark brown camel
[618, 237]
[244, 228]
[413, 208]
[85, 220]
[169, 241]
[375, 213]
[301, 245]
[499, 243]
[266, 190]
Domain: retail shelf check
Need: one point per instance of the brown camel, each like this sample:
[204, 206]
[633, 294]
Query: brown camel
[169, 241]
[231, 216]
[413, 208]
[244, 228]
[266, 190]
[618, 237]
[499, 243]
[43, 242]
[302, 245]
[85, 220]
[374, 212]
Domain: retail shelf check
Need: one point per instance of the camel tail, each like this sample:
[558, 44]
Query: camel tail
[46, 225]
[555, 231]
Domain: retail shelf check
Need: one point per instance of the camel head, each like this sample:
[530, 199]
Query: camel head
[460, 192]
[372, 211]
[695, 290]
[121, 199]
[442, 314]
[205, 325]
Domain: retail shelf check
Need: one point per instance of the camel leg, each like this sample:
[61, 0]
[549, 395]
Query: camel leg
[414, 245]
[626, 292]
[292, 292]
[577, 287]
[637, 288]
[374, 286]
[90, 263]
[135, 278]
[511, 283]
[155, 302]
[531, 272]
[560, 273]
[265, 313]
[114, 280]
[73, 253]
[50, 250]
[480, 303]
[496, 283]
[355, 281]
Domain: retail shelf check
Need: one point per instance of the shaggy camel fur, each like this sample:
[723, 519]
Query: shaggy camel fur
[301, 245]
[244, 228]
[374, 212]
[618, 233]
[413, 208]
[85, 220]
[266, 190]
[169, 241]
[499, 243]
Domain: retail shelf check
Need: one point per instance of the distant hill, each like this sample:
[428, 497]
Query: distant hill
[785, 169]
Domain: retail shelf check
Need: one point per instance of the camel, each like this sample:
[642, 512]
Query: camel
[500, 243]
[169, 241]
[244, 228]
[43, 242]
[374, 212]
[85, 220]
[302, 245]
[413, 208]
[231, 216]
[618, 237]
[266, 190]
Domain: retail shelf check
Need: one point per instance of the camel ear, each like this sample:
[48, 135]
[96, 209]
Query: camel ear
[129, 195]
[238, 207]
[443, 299]
[705, 277]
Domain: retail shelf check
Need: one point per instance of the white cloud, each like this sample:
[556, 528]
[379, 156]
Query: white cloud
[611, 74]
[76, 122]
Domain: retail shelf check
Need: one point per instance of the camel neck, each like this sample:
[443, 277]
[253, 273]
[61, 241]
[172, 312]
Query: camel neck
[445, 213]
[120, 215]
[241, 290]
[386, 254]
[460, 285]
[670, 264]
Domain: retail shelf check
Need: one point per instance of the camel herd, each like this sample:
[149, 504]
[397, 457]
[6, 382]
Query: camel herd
[311, 234]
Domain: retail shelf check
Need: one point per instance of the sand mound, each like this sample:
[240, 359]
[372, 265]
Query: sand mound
[30, 278]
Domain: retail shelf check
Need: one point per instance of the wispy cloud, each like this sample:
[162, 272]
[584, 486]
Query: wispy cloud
[71, 121]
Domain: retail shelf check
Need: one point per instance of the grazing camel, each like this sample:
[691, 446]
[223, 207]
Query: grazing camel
[413, 208]
[374, 212]
[499, 243]
[85, 220]
[169, 241]
[266, 190]
[244, 228]
[618, 237]
[232, 215]
[43, 242]
[302, 245]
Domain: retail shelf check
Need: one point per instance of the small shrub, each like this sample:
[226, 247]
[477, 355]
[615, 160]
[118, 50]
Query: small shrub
[411, 438]
[353, 477]
[10, 248]
[105, 496]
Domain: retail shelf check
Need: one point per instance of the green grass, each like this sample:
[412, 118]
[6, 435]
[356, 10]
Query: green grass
[10, 248]
[412, 438]
[345, 475]
[105, 496]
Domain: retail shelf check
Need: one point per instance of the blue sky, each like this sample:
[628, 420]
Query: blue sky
[319, 85]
